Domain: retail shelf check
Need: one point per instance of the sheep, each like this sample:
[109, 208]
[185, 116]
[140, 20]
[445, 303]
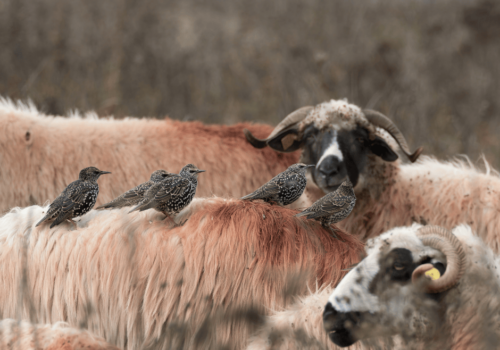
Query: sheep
[344, 140]
[139, 282]
[386, 299]
[388, 292]
[41, 154]
[23, 335]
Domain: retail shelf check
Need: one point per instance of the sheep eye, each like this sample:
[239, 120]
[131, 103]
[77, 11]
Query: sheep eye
[398, 266]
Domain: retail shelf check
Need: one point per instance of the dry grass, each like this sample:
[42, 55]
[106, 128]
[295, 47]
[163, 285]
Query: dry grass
[432, 66]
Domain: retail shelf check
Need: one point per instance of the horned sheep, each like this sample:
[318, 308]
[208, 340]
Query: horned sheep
[137, 280]
[343, 140]
[339, 138]
[40, 154]
[386, 300]
[22, 335]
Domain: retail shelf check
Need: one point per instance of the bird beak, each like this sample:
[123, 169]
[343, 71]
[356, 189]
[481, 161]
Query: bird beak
[105, 172]
[311, 166]
[200, 171]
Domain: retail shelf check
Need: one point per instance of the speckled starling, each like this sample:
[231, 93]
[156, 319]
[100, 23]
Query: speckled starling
[172, 194]
[76, 199]
[334, 207]
[136, 195]
[285, 188]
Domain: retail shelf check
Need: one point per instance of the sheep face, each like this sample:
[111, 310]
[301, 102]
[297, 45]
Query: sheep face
[377, 297]
[335, 136]
[338, 153]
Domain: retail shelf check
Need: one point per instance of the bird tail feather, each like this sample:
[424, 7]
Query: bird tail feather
[60, 218]
[141, 207]
[108, 205]
[251, 196]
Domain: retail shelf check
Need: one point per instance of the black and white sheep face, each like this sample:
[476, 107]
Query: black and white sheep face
[337, 138]
[338, 153]
[377, 296]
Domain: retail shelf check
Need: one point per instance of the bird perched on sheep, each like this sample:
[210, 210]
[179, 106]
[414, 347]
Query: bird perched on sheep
[133, 148]
[77, 199]
[334, 207]
[143, 283]
[389, 300]
[16, 334]
[345, 140]
[172, 194]
[136, 194]
[285, 188]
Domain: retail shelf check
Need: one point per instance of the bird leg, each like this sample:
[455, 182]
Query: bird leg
[173, 220]
[332, 230]
[74, 223]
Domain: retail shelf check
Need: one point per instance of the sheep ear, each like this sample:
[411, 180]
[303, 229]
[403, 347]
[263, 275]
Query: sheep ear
[380, 148]
[286, 141]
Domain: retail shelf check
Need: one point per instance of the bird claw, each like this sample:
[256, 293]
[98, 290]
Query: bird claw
[182, 223]
[174, 222]
[74, 223]
[332, 230]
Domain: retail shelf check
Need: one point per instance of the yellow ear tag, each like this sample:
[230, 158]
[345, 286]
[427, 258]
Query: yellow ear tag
[433, 274]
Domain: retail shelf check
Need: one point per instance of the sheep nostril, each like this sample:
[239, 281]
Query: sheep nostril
[330, 166]
[329, 311]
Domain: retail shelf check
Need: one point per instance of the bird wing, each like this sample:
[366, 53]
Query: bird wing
[136, 194]
[57, 204]
[148, 197]
[76, 195]
[267, 190]
[328, 205]
[173, 187]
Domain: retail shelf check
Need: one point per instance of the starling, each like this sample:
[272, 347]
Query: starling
[173, 194]
[333, 207]
[135, 195]
[76, 199]
[285, 188]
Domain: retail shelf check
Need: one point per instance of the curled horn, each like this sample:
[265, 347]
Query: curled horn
[443, 240]
[292, 119]
[380, 120]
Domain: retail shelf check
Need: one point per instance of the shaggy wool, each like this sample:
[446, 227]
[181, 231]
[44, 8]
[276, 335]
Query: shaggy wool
[468, 313]
[139, 282]
[428, 192]
[22, 335]
[41, 155]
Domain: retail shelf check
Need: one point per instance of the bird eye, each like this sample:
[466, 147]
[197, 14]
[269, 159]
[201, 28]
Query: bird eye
[398, 266]
[164, 175]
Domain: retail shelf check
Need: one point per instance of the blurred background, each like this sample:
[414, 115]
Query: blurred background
[432, 66]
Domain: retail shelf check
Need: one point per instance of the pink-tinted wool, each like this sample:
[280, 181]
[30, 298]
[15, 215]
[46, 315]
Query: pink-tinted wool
[22, 335]
[40, 155]
[131, 277]
[429, 191]
[468, 312]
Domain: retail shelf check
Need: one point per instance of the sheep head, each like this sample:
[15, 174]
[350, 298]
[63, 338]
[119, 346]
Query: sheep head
[398, 285]
[337, 137]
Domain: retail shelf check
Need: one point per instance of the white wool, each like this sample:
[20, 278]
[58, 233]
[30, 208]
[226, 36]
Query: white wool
[7, 106]
[338, 114]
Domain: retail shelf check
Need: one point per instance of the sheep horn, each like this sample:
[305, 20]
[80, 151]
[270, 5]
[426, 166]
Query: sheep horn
[380, 120]
[292, 119]
[443, 240]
